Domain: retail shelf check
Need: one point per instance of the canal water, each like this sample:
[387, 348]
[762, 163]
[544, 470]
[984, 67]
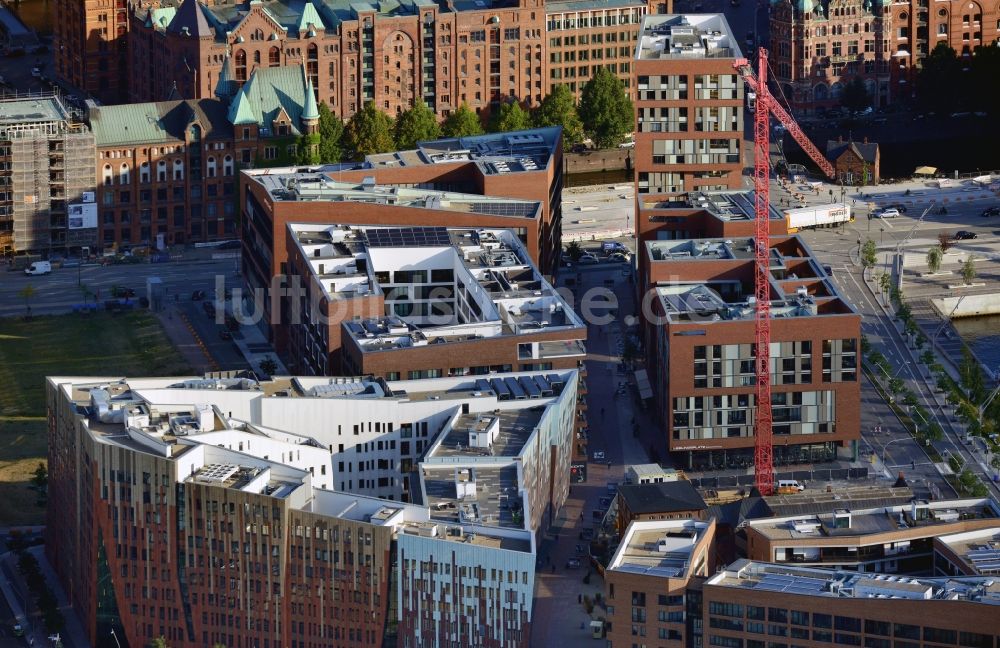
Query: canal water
[36, 14]
[982, 334]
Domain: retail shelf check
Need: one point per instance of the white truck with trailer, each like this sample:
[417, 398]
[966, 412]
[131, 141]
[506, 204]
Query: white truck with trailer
[818, 216]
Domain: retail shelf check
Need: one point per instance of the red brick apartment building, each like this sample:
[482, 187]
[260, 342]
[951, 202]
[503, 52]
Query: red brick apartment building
[445, 53]
[653, 580]
[750, 604]
[699, 330]
[689, 109]
[167, 172]
[817, 47]
[526, 165]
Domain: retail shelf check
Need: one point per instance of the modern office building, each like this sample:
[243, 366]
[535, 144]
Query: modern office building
[304, 511]
[750, 604]
[423, 301]
[652, 582]
[168, 171]
[689, 108]
[700, 345]
[46, 177]
[478, 53]
[525, 165]
[893, 539]
[818, 48]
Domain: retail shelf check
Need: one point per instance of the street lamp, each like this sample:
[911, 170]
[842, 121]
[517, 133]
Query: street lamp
[886, 445]
[118, 643]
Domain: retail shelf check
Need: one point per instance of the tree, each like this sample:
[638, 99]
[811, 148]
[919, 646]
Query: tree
[159, 642]
[574, 251]
[971, 376]
[559, 109]
[417, 124]
[944, 241]
[939, 80]
[969, 270]
[896, 385]
[855, 96]
[370, 131]
[605, 109]
[462, 123]
[26, 294]
[268, 366]
[934, 431]
[885, 282]
[934, 259]
[510, 117]
[331, 135]
[869, 254]
[41, 476]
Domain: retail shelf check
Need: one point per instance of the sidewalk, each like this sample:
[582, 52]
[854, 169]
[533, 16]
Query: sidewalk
[73, 635]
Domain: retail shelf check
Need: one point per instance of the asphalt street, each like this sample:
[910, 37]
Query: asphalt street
[58, 291]
[839, 249]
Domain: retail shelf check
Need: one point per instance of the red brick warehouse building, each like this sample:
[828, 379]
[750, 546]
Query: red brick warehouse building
[445, 53]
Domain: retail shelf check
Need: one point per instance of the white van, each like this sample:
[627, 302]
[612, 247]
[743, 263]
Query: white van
[38, 268]
[790, 485]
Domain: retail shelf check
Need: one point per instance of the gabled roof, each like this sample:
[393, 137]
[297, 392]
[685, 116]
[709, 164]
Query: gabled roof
[269, 91]
[190, 16]
[164, 121]
[662, 497]
[864, 151]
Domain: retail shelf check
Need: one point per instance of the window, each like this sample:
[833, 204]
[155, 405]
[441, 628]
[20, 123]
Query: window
[241, 65]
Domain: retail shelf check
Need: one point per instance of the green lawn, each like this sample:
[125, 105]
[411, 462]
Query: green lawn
[100, 344]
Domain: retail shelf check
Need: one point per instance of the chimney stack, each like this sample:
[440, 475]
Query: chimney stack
[866, 139]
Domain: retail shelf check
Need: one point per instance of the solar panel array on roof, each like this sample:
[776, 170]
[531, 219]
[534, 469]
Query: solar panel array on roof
[408, 237]
[505, 208]
[792, 584]
[985, 560]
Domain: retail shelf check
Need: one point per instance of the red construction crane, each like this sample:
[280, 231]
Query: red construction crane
[766, 106]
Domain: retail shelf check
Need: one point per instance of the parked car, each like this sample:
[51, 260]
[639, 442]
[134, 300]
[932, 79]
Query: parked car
[965, 235]
[579, 148]
[627, 145]
[36, 72]
[588, 259]
[38, 268]
[888, 212]
[209, 308]
[599, 455]
[572, 563]
[618, 257]
[991, 211]
[122, 291]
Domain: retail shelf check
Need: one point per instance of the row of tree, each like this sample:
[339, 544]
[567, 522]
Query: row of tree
[949, 82]
[605, 115]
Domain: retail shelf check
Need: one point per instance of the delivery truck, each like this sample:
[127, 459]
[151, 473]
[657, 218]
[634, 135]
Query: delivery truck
[819, 216]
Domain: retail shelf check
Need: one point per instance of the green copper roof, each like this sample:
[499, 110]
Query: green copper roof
[310, 17]
[310, 110]
[226, 87]
[163, 121]
[161, 16]
[268, 92]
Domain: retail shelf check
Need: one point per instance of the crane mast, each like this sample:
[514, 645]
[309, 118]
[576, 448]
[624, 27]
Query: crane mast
[766, 106]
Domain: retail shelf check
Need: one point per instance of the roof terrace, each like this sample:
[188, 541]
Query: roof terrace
[496, 434]
[659, 548]
[690, 36]
[482, 495]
